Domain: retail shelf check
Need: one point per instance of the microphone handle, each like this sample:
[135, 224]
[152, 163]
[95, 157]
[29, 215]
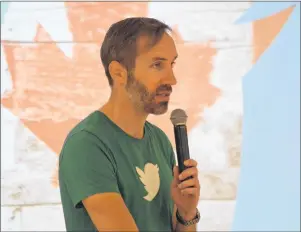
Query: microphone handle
[182, 148]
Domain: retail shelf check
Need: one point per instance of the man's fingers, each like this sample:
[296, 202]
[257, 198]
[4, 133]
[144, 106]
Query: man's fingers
[190, 191]
[190, 172]
[188, 184]
[190, 163]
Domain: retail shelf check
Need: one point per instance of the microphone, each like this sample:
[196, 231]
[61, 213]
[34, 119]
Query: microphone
[178, 118]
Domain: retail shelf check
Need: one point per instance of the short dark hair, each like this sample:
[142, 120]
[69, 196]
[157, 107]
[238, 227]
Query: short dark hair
[120, 42]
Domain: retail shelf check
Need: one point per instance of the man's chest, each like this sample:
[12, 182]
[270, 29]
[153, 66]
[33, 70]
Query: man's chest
[144, 176]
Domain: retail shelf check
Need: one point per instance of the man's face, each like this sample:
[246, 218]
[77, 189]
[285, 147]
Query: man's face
[150, 84]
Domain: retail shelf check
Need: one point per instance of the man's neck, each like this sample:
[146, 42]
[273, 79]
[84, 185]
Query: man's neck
[125, 115]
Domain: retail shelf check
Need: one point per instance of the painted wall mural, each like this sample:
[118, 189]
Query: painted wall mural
[52, 77]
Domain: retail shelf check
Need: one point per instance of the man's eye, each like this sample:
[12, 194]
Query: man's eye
[157, 65]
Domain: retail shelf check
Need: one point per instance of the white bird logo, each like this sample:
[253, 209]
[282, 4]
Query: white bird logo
[151, 180]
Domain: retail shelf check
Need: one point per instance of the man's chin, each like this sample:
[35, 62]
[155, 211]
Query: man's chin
[159, 109]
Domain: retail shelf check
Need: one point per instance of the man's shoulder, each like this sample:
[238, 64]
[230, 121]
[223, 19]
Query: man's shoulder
[88, 123]
[88, 137]
[89, 129]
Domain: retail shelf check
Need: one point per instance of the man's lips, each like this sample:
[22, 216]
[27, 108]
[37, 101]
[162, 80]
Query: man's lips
[164, 93]
[163, 96]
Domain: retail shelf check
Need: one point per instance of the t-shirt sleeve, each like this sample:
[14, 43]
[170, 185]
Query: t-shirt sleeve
[86, 167]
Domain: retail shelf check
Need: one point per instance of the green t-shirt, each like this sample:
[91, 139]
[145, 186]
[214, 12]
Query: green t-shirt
[99, 157]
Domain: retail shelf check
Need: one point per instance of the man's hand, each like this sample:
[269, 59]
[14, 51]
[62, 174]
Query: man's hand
[185, 191]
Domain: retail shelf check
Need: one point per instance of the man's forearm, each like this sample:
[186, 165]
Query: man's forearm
[181, 228]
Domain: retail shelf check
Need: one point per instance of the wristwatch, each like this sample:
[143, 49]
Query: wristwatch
[191, 222]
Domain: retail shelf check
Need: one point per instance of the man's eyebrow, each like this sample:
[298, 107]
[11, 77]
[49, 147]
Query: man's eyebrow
[162, 58]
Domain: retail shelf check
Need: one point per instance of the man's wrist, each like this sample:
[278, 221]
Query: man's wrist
[187, 216]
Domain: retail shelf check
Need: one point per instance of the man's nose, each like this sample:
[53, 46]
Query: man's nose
[171, 79]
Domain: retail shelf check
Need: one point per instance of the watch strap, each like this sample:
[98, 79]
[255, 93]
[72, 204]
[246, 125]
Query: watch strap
[190, 222]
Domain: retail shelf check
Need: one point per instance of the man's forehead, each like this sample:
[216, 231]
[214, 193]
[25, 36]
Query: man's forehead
[165, 45]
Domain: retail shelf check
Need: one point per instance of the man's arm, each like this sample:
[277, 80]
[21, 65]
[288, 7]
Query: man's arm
[109, 212]
[88, 170]
[177, 226]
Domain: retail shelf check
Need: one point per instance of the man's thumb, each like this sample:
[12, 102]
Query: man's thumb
[176, 180]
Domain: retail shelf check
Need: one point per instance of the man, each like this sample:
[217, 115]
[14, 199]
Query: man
[117, 171]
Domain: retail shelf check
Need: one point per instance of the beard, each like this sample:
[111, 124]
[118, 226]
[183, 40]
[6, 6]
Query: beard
[145, 100]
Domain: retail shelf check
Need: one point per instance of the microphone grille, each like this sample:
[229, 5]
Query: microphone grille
[178, 116]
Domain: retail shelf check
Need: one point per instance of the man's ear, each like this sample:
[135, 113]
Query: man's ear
[118, 73]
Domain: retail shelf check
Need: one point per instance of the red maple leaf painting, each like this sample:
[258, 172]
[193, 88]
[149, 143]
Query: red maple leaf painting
[52, 93]
[262, 37]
